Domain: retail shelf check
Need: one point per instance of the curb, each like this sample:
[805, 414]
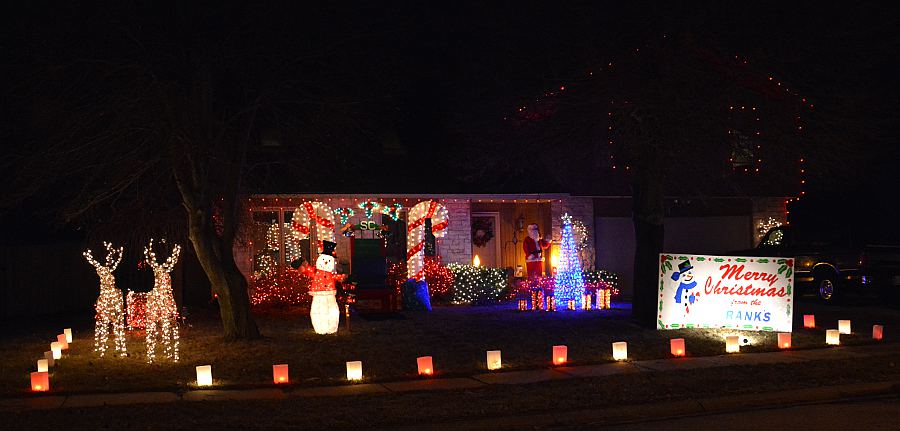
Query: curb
[655, 411]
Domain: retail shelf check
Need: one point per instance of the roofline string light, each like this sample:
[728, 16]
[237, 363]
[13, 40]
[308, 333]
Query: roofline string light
[522, 111]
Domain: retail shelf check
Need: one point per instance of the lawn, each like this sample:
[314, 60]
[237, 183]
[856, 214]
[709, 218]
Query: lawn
[456, 336]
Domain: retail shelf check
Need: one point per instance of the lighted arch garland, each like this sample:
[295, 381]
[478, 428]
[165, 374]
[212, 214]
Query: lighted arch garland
[415, 234]
[317, 214]
[110, 308]
[161, 312]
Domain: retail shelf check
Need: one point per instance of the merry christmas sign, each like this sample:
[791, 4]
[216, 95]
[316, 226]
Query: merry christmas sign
[751, 293]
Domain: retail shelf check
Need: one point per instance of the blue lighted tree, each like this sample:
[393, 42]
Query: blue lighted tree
[568, 278]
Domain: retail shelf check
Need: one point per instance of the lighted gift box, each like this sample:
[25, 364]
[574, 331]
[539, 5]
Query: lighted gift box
[732, 344]
[833, 337]
[877, 332]
[844, 326]
[204, 375]
[61, 339]
[68, 333]
[56, 348]
[571, 304]
[620, 350]
[560, 354]
[493, 360]
[354, 370]
[48, 355]
[784, 340]
[280, 373]
[424, 365]
[43, 365]
[40, 381]
[677, 346]
[809, 321]
[523, 304]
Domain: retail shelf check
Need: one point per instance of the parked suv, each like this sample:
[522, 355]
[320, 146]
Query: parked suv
[830, 263]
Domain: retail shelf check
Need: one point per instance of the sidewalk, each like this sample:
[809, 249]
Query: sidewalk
[480, 380]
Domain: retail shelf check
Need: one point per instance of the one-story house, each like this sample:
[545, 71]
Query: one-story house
[493, 227]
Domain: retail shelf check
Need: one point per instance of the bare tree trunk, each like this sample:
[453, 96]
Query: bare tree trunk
[227, 282]
[647, 212]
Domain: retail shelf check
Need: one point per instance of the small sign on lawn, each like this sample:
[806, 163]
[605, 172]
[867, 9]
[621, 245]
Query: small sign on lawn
[748, 293]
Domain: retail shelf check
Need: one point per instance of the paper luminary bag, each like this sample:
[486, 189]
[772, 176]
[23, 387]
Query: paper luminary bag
[731, 292]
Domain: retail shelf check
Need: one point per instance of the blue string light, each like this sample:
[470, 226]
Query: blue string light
[569, 280]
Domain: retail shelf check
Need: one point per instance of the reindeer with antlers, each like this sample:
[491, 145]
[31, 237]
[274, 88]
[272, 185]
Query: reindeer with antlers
[110, 307]
[162, 313]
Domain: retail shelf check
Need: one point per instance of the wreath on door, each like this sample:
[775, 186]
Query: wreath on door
[482, 231]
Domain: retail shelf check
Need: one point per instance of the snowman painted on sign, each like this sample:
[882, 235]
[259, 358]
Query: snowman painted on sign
[685, 278]
[324, 312]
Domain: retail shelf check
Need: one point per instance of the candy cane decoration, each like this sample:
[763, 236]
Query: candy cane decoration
[161, 312]
[415, 234]
[317, 214]
[393, 211]
[369, 207]
[110, 315]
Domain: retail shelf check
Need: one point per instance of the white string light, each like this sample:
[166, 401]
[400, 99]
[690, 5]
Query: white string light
[162, 313]
[110, 308]
[415, 234]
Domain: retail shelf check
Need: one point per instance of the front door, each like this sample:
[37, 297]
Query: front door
[485, 242]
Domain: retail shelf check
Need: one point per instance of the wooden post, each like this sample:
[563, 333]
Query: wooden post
[347, 315]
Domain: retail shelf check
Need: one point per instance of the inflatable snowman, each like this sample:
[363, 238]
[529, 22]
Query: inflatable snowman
[324, 312]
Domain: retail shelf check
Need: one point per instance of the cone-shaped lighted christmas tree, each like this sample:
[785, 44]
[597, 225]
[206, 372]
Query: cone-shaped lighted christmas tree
[569, 281]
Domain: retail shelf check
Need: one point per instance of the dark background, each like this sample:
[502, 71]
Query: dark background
[429, 75]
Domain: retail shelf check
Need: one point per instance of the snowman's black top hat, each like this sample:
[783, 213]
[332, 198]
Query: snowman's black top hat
[328, 247]
[685, 266]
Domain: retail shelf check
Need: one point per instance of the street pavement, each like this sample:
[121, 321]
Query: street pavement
[870, 414]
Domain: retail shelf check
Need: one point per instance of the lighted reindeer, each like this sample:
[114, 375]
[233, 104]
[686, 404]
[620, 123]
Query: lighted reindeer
[110, 307]
[161, 313]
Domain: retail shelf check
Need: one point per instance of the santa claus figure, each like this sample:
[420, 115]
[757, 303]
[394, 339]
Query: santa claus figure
[534, 247]
[324, 312]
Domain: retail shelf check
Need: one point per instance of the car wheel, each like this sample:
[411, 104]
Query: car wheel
[826, 289]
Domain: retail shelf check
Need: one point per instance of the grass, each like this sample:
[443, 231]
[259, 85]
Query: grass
[457, 338]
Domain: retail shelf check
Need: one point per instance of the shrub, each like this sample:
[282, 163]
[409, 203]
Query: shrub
[289, 287]
[478, 285]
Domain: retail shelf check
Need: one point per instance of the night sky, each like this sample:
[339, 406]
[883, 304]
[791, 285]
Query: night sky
[421, 79]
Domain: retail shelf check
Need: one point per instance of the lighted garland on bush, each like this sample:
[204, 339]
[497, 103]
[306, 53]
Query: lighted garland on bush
[396, 275]
[136, 310]
[290, 287]
[600, 279]
[438, 276]
[478, 285]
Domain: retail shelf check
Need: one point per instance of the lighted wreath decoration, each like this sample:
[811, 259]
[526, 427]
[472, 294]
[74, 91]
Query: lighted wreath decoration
[482, 231]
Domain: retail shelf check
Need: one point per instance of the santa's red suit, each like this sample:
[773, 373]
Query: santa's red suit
[534, 252]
